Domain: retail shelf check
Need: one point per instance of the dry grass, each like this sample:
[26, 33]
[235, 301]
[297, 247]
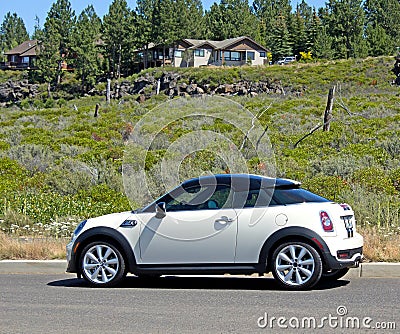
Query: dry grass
[380, 246]
[31, 248]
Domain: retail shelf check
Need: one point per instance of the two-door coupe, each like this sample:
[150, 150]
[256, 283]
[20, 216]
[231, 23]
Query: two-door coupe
[218, 224]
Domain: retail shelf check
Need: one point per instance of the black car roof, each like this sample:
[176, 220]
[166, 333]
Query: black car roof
[246, 181]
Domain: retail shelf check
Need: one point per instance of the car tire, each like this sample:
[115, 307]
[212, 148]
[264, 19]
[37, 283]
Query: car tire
[333, 274]
[296, 265]
[102, 264]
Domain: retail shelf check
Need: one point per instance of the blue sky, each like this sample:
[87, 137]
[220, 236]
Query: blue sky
[29, 9]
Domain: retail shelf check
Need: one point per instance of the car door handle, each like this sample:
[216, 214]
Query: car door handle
[224, 220]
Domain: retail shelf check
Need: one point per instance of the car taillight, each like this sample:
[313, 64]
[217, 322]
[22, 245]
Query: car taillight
[326, 222]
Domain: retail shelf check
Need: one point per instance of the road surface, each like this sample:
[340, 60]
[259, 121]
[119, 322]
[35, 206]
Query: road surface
[64, 304]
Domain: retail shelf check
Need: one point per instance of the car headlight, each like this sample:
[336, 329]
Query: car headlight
[80, 227]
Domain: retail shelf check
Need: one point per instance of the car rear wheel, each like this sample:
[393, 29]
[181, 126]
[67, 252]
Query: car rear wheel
[296, 265]
[333, 274]
[102, 264]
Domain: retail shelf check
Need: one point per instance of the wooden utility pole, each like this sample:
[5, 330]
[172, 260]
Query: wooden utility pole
[328, 110]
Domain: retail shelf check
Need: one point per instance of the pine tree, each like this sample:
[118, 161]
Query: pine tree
[280, 46]
[270, 14]
[346, 20]
[119, 26]
[298, 34]
[85, 37]
[312, 31]
[37, 30]
[146, 12]
[383, 26]
[12, 32]
[231, 18]
[194, 20]
[323, 44]
[55, 48]
[379, 42]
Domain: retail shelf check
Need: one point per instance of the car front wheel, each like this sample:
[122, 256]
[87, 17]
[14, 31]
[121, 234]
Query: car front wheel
[296, 265]
[102, 264]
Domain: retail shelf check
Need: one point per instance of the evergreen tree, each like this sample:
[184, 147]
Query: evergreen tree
[280, 46]
[383, 26]
[298, 34]
[323, 44]
[271, 14]
[12, 32]
[147, 16]
[379, 42]
[37, 30]
[231, 18]
[55, 49]
[119, 34]
[86, 35]
[194, 20]
[346, 20]
[313, 30]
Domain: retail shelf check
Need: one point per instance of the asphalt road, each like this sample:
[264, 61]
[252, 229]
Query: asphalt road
[64, 304]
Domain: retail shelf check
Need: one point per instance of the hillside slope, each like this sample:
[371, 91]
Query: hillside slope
[60, 164]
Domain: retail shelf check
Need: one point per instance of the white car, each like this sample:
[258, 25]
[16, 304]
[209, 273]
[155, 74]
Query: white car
[228, 223]
[286, 60]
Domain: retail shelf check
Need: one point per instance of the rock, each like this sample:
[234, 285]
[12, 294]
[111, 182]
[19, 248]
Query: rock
[5, 94]
[172, 84]
[199, 90]
[183, 86]
[141, 98]
[225, 89]
[191, 89]
[241, 90]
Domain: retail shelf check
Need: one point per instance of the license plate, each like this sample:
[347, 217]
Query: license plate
[348, 224]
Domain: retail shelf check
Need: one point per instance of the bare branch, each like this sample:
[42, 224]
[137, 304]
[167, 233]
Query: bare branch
[315, 128]
[262, 135]
[253, 120]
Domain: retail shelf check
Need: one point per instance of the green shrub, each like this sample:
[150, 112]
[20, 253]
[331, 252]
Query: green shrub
[374, 179]
[331, 187]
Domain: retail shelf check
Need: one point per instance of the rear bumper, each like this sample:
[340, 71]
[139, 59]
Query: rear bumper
[347, 258]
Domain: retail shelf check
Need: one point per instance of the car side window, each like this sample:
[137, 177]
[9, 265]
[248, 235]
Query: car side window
[253, 198]
[208, 197]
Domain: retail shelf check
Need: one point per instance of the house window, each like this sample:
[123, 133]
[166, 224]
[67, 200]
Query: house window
[25, 60]
[199, 52]
[262, 54]
[231, 55]
[251, 55]
[178, 53]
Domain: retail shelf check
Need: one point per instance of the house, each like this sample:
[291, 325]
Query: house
[22, 56]
[196, 53]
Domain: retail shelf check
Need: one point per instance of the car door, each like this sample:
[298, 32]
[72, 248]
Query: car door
[258, 217]
[199, 226]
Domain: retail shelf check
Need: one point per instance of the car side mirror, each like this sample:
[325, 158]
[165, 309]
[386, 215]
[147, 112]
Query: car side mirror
[160, 210]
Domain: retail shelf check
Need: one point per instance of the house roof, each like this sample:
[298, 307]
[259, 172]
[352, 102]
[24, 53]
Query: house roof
[221, 45]
[27, 48]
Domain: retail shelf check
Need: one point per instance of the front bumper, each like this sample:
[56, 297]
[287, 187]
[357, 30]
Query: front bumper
[71, 268]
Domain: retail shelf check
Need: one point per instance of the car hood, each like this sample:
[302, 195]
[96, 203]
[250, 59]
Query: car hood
[113, 220]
